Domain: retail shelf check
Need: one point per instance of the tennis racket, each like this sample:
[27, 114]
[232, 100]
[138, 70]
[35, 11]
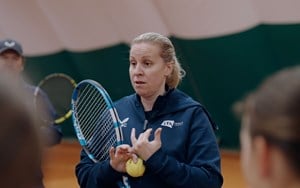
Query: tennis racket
[53, 93]
[96, 121]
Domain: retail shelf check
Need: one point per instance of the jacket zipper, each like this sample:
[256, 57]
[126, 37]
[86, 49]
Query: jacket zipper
[145, 124]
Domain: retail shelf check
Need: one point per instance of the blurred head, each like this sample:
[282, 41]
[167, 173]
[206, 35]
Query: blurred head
[153, 60]
[19, 140]
[270, 133]
[12, 53]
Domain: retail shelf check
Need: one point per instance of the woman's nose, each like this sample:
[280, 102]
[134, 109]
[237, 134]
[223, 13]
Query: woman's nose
[138, 69]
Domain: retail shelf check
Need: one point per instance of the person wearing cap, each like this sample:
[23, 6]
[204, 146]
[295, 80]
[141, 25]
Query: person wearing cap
[12, 54]
[13, 61]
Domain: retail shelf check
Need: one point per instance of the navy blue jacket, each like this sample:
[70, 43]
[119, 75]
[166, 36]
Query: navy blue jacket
[189, 156]
[50, 133]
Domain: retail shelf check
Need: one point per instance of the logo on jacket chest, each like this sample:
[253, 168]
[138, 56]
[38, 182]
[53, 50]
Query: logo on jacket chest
[171, 123]
[124, 122]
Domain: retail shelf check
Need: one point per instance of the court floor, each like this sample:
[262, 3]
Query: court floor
[60, 162]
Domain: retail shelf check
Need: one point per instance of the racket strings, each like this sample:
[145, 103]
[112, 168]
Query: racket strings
[95, 120]
[86, 107]
[89, 102]
[59, 89]
[92, 103]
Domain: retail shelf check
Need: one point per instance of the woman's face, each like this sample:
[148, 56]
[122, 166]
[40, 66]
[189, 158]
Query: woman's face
[147, 70]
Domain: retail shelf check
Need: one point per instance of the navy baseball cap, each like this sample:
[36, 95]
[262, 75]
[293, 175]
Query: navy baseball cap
[10, 44]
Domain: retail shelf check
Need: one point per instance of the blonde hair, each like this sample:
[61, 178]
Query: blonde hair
[168, 54]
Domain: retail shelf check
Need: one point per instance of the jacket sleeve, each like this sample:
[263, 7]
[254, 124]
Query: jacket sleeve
[202, 165]
[51, 133]
[96, 175]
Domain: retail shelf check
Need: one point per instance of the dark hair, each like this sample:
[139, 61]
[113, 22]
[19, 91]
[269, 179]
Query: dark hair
[274, 113]
[167, 53]
[19, 138]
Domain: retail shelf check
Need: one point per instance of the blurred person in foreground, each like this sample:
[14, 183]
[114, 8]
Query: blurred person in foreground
[13, 61]
[20, 143]
[270, 133]
[172, 133]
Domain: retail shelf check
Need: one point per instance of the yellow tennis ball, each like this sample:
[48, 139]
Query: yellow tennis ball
[135, 169]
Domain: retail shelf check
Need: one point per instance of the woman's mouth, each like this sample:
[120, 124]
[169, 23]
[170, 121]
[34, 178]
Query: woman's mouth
[138, 83]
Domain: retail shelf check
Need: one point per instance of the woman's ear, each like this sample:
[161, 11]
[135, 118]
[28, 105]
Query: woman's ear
[169, 68]
[262, 156]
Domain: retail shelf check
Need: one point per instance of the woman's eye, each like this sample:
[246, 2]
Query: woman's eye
[147, 63]
[132, 62]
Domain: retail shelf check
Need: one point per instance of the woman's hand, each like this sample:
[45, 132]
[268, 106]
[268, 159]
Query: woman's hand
[119, 156]
[142, 146]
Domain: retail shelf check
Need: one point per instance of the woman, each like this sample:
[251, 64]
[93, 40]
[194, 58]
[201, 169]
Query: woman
[270, 134]
[171, 132]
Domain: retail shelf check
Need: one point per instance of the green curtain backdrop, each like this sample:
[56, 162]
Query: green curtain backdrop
[220, 70]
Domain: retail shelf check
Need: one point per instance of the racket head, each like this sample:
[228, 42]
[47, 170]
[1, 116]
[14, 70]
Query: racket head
[59, 88]
[95, 120]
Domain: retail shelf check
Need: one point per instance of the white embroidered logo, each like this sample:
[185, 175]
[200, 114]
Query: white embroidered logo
[168, 123]
[124, 122]
[171, 123]
[9, 44]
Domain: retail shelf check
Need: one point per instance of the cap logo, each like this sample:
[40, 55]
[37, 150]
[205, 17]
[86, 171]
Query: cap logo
[9, 44]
